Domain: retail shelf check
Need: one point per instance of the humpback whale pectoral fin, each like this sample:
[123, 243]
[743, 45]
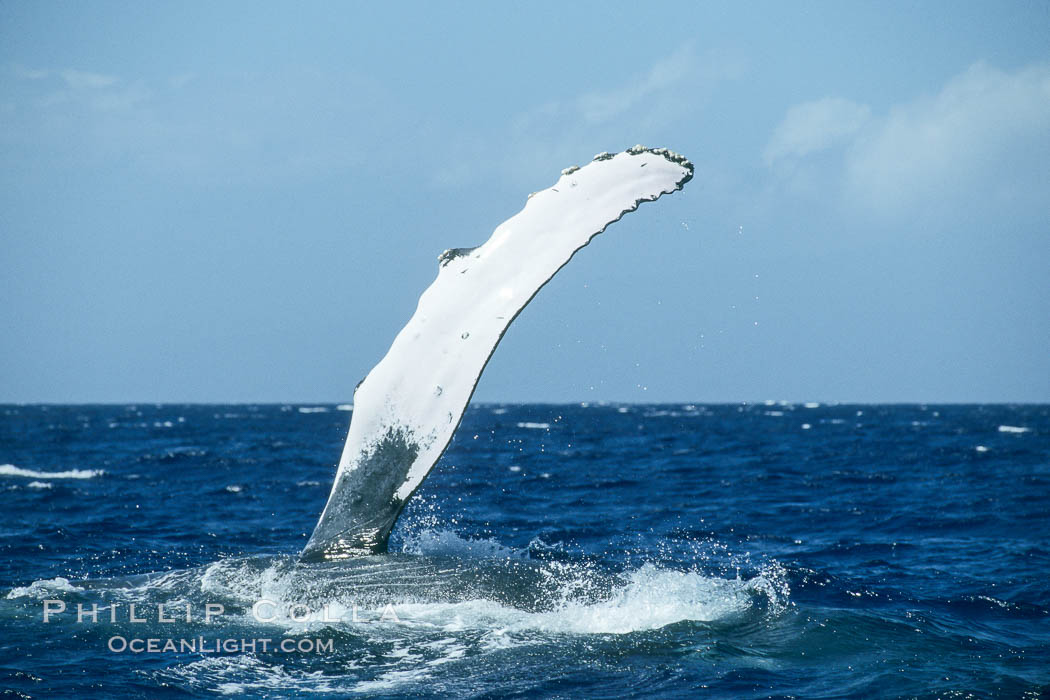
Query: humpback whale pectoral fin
[401, 423]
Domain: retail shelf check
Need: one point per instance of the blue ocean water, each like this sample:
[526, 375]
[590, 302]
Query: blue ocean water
[736, 551]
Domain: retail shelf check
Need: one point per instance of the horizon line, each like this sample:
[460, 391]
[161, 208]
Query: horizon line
[741, 402]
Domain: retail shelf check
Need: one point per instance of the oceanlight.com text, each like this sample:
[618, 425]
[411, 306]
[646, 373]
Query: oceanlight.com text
[202, 645]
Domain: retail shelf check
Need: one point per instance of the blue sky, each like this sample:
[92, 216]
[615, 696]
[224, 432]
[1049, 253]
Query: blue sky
[243, 201]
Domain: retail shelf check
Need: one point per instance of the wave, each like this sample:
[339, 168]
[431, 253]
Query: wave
[12, 470]
[237, 675]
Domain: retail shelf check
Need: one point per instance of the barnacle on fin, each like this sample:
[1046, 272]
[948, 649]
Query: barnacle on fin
[452, 253]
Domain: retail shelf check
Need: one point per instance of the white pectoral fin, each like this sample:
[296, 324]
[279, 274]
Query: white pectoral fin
[408, 407]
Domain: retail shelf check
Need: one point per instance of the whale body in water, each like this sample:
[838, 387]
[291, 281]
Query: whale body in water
[408, 407]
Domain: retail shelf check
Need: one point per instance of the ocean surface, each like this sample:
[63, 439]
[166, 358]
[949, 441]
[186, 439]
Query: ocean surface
[563, 551]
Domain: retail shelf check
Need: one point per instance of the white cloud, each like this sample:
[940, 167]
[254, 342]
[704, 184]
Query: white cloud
[816, 126]
[76, 79]
[984, 123]
[986, 130]
[563, 131]
[186, 125]
[643, 107]
[80, 80]
[598, 107]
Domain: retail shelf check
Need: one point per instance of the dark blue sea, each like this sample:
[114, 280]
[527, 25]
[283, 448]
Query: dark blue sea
[561, 551]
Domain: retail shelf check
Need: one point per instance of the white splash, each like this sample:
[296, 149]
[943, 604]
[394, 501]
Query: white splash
[1013, 429]
[655, 597]
[646, 598]
[652, 597]
[44, 588]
